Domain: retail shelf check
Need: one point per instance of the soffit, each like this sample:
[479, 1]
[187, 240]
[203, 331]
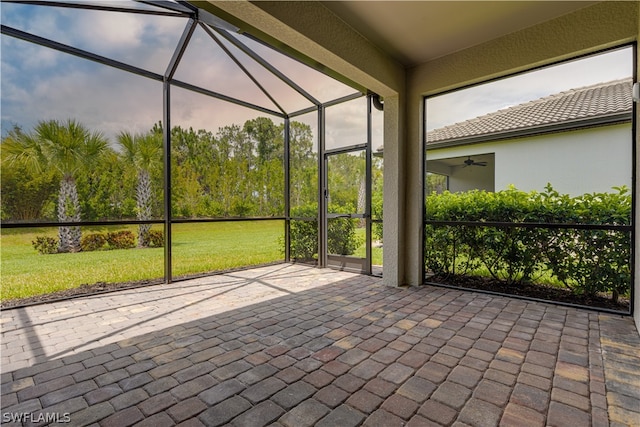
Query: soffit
[415, 32]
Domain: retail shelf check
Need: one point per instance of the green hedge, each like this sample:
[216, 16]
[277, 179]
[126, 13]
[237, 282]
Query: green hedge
[341, 233]
[585, 261]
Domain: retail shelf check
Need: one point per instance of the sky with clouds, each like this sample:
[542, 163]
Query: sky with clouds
[486, 98]
[38, 83]
[42, 84]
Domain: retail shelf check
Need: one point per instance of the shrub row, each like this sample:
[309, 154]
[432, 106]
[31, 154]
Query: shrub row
[123, 239]
[587, 261]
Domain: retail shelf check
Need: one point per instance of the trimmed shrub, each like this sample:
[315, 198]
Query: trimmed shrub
[587, 261]
[304, 234]
[93, 242]
[123, 239]
[155, 238]
[376, 210]
[46, 245]
[341, 234]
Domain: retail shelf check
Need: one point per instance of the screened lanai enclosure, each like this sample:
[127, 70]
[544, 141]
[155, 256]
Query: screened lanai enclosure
[152, 141]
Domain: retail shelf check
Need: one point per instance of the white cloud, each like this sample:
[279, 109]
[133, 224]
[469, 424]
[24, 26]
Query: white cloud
[108, 31]
[106, 100]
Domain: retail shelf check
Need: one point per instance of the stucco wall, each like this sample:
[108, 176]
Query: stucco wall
[585, 161]
[576, 162]
[471, 179]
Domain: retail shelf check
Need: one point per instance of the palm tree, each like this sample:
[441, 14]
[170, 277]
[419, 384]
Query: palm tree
[143, 152]
[70, 149]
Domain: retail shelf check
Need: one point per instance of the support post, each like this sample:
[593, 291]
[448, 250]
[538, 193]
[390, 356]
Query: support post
[322, 190]
[166, 144]
[287, 190]
[368, 187]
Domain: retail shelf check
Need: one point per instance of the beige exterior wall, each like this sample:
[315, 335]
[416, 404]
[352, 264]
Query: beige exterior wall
[575, 162]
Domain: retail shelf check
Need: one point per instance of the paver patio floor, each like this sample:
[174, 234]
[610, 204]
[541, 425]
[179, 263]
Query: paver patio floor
[297, 346]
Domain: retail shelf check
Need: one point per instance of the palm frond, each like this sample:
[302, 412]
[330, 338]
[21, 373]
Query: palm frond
[24, 149]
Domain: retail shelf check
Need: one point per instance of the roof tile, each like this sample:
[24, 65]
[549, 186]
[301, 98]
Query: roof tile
[588, 102]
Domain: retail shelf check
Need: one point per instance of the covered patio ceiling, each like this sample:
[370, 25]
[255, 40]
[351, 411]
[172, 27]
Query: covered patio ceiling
[414, 32]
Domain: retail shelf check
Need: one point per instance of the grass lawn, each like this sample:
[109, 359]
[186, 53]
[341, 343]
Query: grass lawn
[197, 248]
[376, 253]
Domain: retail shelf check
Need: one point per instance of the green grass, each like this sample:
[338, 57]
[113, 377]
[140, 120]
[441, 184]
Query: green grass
[376, 253]
[197, 248]
[207, 247]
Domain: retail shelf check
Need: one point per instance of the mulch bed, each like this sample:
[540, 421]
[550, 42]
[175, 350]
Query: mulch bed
[82, 290]
[531, 290]
[103, 287]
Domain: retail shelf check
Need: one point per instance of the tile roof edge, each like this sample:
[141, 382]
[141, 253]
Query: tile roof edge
[532, 131]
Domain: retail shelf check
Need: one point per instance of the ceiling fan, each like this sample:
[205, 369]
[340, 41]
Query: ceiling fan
[470, 162]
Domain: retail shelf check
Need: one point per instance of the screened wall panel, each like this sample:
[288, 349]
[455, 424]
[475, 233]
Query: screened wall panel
[227, 160]
[303, 191]
[529, 183]
[109, 255]
[200, 248]
[83, 126]
[126, 86]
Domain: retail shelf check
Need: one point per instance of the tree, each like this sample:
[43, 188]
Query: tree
[27, 196]
[304, 165]
[70, 149]
[268, 178]
[108, 191]
[142, 152]
[266, 137]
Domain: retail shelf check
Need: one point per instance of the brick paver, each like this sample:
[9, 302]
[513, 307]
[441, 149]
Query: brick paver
[290, 345]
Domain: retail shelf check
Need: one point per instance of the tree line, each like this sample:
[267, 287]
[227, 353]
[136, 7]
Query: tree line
[62, 170]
